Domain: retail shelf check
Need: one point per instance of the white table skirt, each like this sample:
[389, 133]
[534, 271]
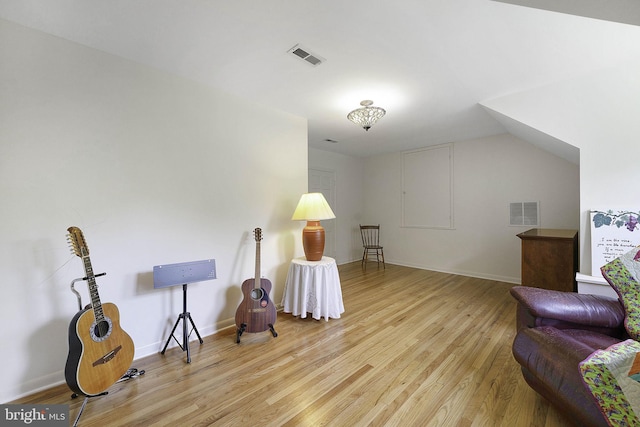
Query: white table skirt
[313, 287]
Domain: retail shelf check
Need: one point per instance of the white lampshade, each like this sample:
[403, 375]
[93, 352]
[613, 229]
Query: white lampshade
[312, 207]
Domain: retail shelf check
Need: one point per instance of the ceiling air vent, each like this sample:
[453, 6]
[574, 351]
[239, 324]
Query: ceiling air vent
[306, 55]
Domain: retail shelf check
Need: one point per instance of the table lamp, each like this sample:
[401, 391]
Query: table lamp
[312, 208]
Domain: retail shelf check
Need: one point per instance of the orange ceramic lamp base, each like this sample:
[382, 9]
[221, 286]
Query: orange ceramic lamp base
[313, 240]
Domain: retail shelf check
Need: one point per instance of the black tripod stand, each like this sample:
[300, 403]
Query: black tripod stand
[185, 329]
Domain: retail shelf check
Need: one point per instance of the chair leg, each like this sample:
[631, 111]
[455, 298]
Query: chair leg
[364, 259]
[384, 266]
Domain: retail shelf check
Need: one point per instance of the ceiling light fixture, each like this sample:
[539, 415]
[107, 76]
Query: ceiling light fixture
[367, 115]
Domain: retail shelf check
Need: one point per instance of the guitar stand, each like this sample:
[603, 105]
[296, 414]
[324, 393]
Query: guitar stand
[131, 373]
[84, 403]
[73, 289]
[243, 327]
[185, 329]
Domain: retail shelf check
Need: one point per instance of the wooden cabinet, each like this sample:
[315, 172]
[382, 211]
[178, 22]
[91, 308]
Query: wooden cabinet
[550, 258]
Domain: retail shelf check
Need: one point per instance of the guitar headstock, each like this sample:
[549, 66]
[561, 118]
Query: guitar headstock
[257, 234]
[78, 244]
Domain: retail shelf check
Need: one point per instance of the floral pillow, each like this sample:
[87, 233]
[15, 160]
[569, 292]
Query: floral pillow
[623, 274]
[611, 377]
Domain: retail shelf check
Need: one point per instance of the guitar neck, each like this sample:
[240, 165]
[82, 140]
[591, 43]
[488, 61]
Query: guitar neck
[93, 289]
[256, 283]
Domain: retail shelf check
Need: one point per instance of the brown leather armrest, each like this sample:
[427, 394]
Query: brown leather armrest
[546, 306]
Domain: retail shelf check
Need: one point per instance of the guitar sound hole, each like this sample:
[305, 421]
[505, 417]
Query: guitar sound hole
[102, 329]
[256, 294]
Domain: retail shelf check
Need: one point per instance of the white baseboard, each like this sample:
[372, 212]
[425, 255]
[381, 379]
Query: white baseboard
[497, 278]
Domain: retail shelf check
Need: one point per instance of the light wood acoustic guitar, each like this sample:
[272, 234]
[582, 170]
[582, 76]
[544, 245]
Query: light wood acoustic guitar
[100, 352]
[256, 312]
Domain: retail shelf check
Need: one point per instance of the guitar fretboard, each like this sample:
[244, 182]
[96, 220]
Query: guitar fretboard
[256, 282]
[93, 289]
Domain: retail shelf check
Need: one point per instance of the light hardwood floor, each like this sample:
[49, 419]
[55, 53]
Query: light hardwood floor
[413, 348]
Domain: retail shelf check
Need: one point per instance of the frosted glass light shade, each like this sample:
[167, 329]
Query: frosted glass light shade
[367, 115]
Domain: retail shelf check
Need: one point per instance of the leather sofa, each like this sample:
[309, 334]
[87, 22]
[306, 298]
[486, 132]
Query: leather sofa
[555, 332]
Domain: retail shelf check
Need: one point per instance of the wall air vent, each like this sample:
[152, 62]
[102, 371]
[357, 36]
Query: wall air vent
[304, 54]
[524, 213]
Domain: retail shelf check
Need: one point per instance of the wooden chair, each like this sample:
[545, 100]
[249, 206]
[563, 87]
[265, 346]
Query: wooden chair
[371, 244]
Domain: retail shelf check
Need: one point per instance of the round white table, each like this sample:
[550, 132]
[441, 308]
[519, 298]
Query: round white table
[313, 287]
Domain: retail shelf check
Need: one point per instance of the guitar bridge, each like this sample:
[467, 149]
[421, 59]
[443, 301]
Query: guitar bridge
[107, 357]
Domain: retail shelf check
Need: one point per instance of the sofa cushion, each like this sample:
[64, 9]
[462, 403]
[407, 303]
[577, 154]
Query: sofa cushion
[623, 274]
[609, 375]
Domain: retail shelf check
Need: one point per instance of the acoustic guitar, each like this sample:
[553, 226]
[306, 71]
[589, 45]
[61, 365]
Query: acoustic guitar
[256, 312]
[100, 352]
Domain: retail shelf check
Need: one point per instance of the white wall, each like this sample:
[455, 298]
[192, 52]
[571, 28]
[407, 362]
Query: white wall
[489, 173]
[154, 169]
[598, 113]
[349, 200]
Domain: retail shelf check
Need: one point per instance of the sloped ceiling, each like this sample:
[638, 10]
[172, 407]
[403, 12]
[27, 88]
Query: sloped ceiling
[430, 64]
[537, 137]
[623, 11]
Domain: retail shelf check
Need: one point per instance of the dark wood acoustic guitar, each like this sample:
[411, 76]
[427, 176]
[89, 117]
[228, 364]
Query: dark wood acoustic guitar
[100, 352]
[256, 312]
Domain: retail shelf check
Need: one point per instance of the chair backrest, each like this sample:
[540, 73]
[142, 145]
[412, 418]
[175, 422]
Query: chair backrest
[370, 235]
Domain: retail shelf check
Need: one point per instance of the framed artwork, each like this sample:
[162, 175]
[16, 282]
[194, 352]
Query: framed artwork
[613, 233]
